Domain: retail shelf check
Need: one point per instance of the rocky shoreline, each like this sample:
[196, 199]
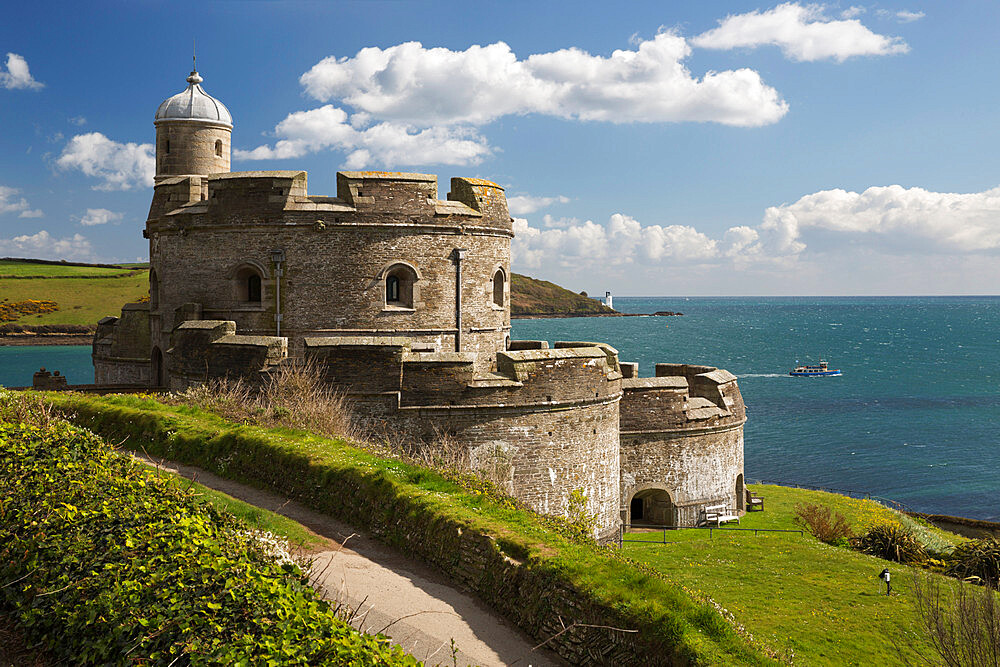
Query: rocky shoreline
[46, 339]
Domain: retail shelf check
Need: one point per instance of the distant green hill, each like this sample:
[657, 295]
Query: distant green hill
[531, 297]
[83, 293]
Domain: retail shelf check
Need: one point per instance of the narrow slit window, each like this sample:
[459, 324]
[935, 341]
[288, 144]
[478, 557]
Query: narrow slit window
[392, 289]
[218, 147]
[498, 287]
[253, 288]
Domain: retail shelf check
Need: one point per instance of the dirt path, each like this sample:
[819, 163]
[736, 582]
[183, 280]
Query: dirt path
[415, 605]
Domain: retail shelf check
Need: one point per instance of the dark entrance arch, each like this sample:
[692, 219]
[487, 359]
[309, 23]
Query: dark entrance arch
[156, 367]
[741, 494]
[653, 507]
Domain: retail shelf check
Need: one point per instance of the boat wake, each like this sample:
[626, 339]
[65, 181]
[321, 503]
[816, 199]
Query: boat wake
[762, 375]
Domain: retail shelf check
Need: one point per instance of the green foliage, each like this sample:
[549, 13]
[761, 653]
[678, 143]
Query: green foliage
[578, 514]
[825, 524]
[437, 518]
[891, 541]
[977, 560]
[102, 562]
[529, 296]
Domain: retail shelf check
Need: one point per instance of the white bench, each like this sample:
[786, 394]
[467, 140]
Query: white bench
[719, 514]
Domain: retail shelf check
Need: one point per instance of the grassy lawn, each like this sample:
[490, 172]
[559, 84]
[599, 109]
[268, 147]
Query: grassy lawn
[80, 300]
[15, 268]
[806, 600]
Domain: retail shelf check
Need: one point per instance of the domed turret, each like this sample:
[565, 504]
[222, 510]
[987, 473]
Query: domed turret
[193, 133]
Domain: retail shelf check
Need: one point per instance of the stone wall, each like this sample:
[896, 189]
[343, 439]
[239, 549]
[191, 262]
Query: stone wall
[681, 443]
[192, 148]
[122, 347]
[545, 424]
[337, 252]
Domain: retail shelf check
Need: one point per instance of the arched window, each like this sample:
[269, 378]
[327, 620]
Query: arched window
[154, 290]
[498, 286]
[218, 147]
[392, 289]
[399, 286]
[249, 291]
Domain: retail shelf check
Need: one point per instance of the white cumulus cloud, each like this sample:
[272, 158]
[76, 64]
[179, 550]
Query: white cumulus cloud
[906, 16]
[892, 219]
[45, 246]
[408, 104]
[386, 143]
[17, 74]
[884, 221]
[432, 86]
[10, 202]
[99, 216]
[525, 204]
[802, 32]
[119, 166]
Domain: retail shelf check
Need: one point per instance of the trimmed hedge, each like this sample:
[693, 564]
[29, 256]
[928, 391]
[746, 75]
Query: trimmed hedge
[103, 562]
[509, 557]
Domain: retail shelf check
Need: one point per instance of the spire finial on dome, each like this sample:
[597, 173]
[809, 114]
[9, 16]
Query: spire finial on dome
[195, 78]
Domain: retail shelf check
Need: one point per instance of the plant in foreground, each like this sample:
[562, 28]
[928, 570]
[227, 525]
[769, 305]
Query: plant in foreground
[978, 560]
[824, 524]
[963, 625]
[891, 542]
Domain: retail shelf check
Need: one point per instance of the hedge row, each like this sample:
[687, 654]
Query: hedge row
[103, 562]
[510, 558]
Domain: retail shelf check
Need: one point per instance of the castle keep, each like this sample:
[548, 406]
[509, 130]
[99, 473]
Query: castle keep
[402, 299]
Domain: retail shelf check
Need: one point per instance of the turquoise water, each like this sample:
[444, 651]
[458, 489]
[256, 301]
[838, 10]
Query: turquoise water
[19, 363]
[915, 417]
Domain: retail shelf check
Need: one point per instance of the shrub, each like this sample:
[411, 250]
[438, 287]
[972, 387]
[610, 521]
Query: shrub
[978, 560]
[103, 562]
[892, 542]
[964, 627]
[825, 524]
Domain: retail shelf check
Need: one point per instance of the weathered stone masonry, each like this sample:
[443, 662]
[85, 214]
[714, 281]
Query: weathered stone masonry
[403, 301]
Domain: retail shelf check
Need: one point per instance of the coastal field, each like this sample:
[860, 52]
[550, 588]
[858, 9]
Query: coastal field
[810, 602]
[788, 596]
[83, 294]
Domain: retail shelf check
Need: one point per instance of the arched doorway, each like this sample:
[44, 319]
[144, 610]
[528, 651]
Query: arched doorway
[653, 507]
[741, 494]
[156, 367]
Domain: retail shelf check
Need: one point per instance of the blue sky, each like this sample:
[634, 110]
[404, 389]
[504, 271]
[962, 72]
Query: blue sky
[722, 148]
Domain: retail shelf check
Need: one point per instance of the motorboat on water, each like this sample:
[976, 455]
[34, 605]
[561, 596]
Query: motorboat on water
[820, 370]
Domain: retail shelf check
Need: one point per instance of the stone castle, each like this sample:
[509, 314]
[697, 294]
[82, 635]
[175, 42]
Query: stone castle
[402, 299]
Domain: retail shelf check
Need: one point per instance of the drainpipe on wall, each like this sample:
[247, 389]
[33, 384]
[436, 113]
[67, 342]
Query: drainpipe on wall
[277, 256]
[459, 256]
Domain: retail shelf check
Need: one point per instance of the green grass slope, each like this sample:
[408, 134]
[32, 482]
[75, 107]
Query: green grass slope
[532, 564]
[529, 296]
[812, 603]
[84, 294]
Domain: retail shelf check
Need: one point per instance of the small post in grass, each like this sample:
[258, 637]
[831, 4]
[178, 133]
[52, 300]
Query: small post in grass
[884, 575]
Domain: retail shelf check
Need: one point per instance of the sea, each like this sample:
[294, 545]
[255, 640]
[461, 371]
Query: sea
[914, 418]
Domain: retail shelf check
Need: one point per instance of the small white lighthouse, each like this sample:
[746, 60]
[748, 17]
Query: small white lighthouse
[607, 300]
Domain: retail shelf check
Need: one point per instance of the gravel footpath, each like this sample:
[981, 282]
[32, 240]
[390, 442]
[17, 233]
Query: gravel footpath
[415, 605]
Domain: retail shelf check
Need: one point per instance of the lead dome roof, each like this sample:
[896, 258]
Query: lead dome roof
[194, 104]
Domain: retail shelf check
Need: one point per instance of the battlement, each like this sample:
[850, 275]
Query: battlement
[206, 349]
[681, 396]
[483, 196]
[387, 190]
[256, 189]
[380, 364]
